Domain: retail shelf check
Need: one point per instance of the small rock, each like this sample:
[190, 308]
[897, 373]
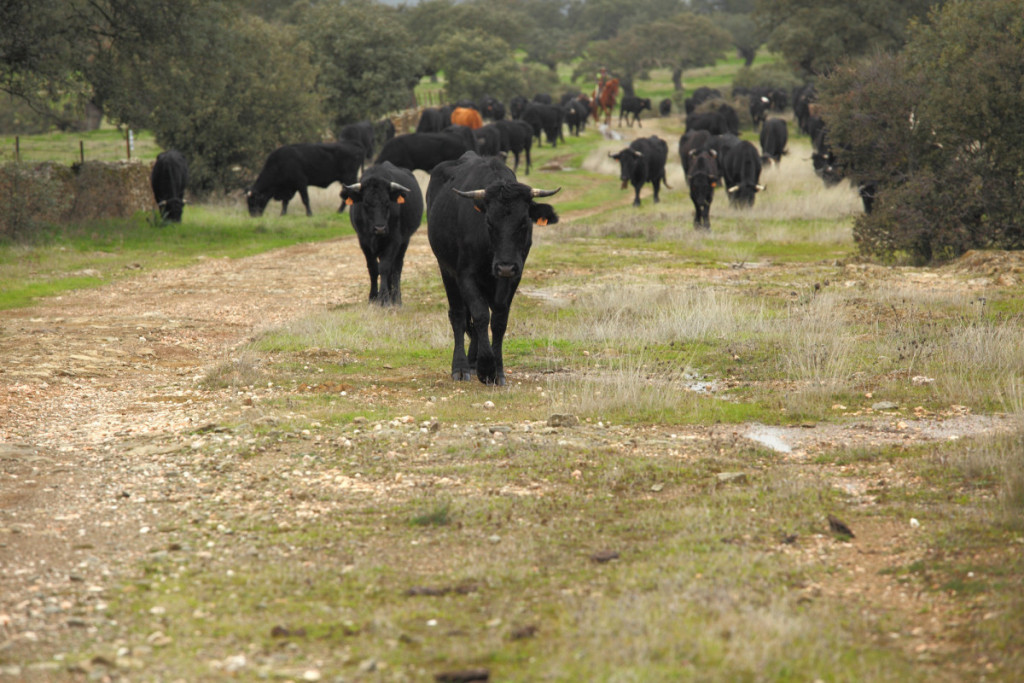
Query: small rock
[657, 487]
[731, 477]
[914, 523]
[884, 405]
[488, 405]
[839, 527]
[567, 420]
[603, 556]
[523, 632]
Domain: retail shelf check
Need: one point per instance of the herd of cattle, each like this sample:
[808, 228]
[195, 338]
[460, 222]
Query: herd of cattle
[481, 217]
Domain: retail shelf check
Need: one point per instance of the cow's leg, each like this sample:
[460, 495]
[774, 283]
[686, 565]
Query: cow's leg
[304, 194]
[391, 271]
[481, 354]
[457, 317]
[657, 189]
[504, 293]
[638, 123]
[636, 197]
[373, 269]
[515, 167]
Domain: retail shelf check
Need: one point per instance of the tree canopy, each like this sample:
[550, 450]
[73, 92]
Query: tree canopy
[940, 128]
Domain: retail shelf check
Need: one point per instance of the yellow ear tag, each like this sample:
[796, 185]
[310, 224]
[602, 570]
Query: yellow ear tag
[542, 221]
[349, 201]
[401, 199]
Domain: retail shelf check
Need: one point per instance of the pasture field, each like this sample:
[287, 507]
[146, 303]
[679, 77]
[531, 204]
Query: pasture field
[663, 492]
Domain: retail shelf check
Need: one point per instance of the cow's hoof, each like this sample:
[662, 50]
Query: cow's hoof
[462, 375]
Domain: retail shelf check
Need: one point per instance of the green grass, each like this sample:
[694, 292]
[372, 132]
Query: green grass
[97, 253]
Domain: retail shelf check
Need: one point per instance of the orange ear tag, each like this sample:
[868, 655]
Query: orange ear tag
[401, 199]
[349, 201]
[478, 209]
[714, 184]
[542, 221]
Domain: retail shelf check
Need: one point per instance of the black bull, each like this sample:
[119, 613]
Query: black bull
[481, 228]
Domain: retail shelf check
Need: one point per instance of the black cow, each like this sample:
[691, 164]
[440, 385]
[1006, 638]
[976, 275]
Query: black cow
[703, 177]
[387, 208]
[741, 169]
[421, 150]
[823, 158]
[168, 180]
[293, 168]
[481, 228]
[694, 141]
[491, 109]
[722, 144]
[803, 97]
[516, 106]
[360, 133]
[516, 137]
[643, 161]
[488, 140]
[759, 104]
[546, 118]
[711, 121]
[464, 133]
[774, 136]
[634, 106]
[433, 120]
[665, 107]
[543, 98]
[700, 95]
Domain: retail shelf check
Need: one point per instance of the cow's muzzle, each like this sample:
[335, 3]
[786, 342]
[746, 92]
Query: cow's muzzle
[506, 270]
[380, 229]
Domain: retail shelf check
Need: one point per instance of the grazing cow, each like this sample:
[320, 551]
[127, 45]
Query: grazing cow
[546, 118]
[516, 137]
[360, 133]
[432, 120]
[468, 117]
[643, 161]
[742, 173]
[758, 108]
[481, 228]
[774, 136]
[823, 158]
[665, 107]
[168, 180]
[702, 177]
[387, 208]
[421, 151]
[293, 168]
[633, 105]
[604, 101]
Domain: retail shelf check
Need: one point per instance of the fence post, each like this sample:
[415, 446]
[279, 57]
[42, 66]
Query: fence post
[17, 148]
[81, 151]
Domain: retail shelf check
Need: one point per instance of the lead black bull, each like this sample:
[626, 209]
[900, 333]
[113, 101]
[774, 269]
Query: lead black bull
[387, 208]
[643, 161]
[293, 168]
[168, 179]
[481, 228]
[742, 173]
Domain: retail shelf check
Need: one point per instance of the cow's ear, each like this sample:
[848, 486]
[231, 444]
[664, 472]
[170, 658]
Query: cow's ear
[350, 196]
[543, 214]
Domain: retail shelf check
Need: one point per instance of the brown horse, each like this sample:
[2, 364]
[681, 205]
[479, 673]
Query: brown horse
[604, 102]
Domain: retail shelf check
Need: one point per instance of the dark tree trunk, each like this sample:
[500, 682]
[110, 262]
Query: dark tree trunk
[677, 78]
